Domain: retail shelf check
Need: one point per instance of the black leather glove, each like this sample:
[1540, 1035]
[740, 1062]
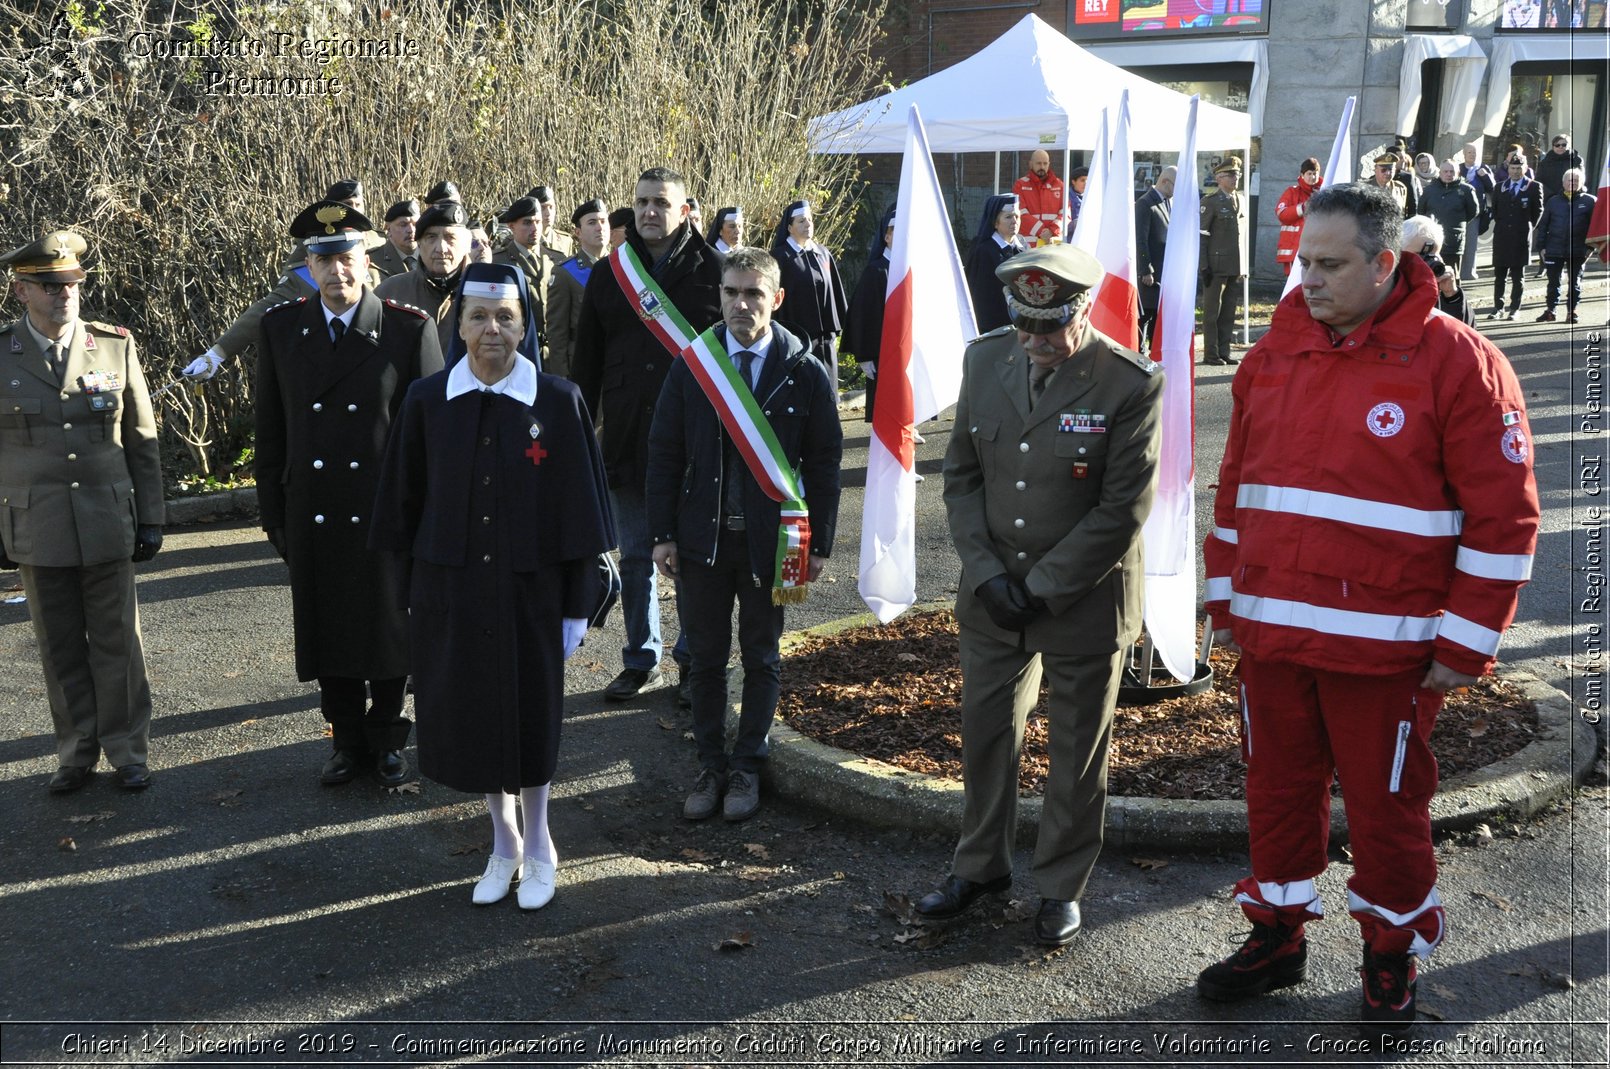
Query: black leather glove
[1006, 602]
[6, 563]
[1021, 596]
[147, 541]
[276, 538]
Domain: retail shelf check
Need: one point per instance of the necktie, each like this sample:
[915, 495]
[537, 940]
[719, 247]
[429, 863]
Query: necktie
[337, 328]
[1037, 379]
[746, 367]
[57, 361]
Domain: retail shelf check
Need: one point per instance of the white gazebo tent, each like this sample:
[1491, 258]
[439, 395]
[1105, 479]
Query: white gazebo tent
[1029, 88]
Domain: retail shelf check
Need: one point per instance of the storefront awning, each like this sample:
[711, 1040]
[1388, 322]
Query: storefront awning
[1509, 50]
[1186, 53]
[1466, 65]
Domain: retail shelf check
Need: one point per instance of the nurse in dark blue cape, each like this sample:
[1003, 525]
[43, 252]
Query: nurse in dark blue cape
[996, 242]
[494, 488]
[863, 327]
[814, 302]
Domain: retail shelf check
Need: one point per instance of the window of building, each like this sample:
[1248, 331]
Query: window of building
[1544, 103]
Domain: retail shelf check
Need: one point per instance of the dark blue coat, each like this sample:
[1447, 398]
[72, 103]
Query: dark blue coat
[1564, 228]
[686, 454]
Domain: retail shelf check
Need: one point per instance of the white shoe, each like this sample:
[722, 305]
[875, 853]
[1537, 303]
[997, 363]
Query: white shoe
[494, 883]
[536, 890]
[919, 439]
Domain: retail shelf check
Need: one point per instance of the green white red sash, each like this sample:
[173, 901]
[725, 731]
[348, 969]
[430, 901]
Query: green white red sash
[757, 443]
[739, 413]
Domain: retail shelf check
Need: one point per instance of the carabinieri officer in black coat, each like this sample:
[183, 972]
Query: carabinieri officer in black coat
[494, 486]
[332, 372]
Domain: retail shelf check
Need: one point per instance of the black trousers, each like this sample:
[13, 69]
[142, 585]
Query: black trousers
[377, 727]
[1516, 285]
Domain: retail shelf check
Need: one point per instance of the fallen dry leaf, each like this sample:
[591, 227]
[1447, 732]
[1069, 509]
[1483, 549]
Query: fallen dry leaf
[922, 938]
[907, 657]
[248, 722]
[757, 850]
[666, 723]
[695, 855]
[1148, 864]
[1483, 834]
[1429, 1012]
[1442, 992]
[1016, 912]
[735, 941]
[90, 818]
[837, 875]
[588, 806]
[411, 787]
[229, 797]
[899, 907]
[67, 846]
[468, 848]
[1498, 900]
[1478, 727]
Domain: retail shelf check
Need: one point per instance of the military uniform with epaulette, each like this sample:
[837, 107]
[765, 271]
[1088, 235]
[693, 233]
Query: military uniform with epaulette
[80, 502]
[1048, 479]
[1223, 265]
[324, 411]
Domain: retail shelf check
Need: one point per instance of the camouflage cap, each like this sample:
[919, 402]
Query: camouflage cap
[1045, 287]
[53, 258]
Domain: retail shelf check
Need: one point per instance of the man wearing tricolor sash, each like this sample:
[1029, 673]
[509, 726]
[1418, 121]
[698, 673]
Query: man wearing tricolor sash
[662, 288]
[1376, 517]
[742, 496]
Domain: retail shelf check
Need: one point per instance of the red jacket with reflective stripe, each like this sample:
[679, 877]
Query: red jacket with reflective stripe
[1041, 199]
[1376, 507]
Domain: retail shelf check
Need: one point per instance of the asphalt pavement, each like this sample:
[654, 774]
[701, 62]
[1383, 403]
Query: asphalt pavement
[238, 912]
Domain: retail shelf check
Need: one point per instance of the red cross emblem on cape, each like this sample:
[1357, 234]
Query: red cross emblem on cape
[536, 453]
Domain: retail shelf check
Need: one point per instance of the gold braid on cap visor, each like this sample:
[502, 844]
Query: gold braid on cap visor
[1063, 312]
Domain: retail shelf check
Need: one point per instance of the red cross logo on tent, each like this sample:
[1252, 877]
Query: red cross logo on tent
[1385, 420]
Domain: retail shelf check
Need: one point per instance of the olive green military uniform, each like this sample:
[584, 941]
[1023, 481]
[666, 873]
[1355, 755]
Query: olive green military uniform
[1053, 493]
[1223, 266]
[386, 261]
[79, 469]
[415, 290]
[540, 268]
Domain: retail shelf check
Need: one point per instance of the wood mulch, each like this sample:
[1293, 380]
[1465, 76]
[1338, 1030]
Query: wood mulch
[894, 693]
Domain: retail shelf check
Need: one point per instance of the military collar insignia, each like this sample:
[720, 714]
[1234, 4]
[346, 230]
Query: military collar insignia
[89, 342]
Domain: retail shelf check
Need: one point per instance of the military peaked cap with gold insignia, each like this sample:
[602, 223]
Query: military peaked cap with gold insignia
[327, 227]
[53, 258]
[1229, 165]
[1046, 286]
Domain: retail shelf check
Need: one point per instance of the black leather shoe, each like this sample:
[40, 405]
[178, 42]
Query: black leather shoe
[631, 682]
[391, 768]
[956, 896]
[134, 777]
[1057, 922]
[340, 768]
[69, 778]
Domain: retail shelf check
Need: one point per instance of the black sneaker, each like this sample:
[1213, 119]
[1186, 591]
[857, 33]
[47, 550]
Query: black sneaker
[632, 682]
[1389, 981]
[1271, 957]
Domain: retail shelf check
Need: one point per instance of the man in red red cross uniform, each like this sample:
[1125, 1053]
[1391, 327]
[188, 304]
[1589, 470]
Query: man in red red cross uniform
[1375, 519]
[1043, 198]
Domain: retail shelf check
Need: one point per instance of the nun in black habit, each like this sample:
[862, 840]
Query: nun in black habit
[814, 305]
[863, 327]
[494, 488]
[994, 244]
[726, 230]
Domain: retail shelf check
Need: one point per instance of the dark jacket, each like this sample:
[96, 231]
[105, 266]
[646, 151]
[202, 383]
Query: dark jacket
[863, 327]
[1452, 204]
[620, 365]
[1563, 232]
[322, 421]
[814, 300]
[1514, 216]
[988, 292]
[1151, 235]
[687, 453]
[1551, 168]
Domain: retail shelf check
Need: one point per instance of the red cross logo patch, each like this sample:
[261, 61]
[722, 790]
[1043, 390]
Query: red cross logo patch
[1384, 420]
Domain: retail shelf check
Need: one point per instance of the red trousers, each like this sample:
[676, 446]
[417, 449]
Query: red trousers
[1300, 726]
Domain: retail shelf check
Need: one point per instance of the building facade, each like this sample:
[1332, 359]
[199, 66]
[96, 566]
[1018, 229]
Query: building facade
[1438, 73]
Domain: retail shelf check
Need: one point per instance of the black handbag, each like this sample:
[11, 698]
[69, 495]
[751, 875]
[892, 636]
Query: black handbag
[608, 579]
